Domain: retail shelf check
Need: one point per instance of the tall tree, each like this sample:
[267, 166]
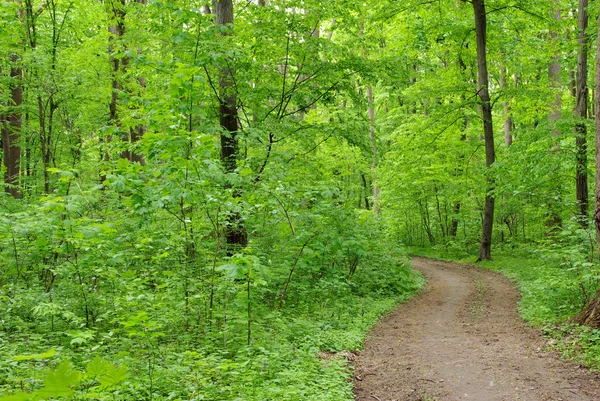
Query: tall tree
[581, 177]
[10, 125]
[590, 315]
[235, 231]
[508, 121]
[137, 132]
[373, 142]
[485, 250]
[554, 68]
[116, 29]
[555, 114]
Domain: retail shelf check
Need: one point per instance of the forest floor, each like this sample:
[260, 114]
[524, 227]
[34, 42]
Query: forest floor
[462, 339]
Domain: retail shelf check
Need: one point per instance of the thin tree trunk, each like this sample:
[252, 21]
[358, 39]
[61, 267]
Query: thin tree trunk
[581, 176]
[366, 188]
[116, 29]
[11, 130]
[508, 121]
[454, 222]
[554, 71]
[373, 149]
[485, 250]
[135, 133]
[555, 82]
[235, 231]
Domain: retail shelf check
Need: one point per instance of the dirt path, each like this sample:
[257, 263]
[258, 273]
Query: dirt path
[462, 339]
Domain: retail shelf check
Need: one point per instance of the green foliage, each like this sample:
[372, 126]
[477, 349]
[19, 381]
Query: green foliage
[64, 378]
[118, 249]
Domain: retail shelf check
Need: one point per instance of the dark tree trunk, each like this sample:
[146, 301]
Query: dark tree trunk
[11, 131]
[454, 223]
[581, 176]
[485, 250]
[235, 231]
[135, 133]
[590, 316]
[116, 29]
[366, 188]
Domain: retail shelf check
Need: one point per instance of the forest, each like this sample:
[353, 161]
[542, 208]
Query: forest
[215, 200]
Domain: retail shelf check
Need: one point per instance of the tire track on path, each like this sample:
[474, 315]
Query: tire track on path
[462, 339]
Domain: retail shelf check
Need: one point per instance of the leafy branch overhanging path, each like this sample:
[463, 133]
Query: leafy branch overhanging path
[462, 339]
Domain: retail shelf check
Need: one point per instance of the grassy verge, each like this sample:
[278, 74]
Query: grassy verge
[554, 284]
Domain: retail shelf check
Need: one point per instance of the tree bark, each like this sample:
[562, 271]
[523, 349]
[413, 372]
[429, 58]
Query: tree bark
[116, 29]
[454, 222]
[366, 188]
[235, 231]
[597, 109]
[555, 114]
[485, 250]
[554, 79]
[11, 131]
[373, 149]
[590, 316]
[135, 133]
[11, 126]
[508, 121]
[581, 176]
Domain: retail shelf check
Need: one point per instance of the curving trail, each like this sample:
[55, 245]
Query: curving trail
[462, 339]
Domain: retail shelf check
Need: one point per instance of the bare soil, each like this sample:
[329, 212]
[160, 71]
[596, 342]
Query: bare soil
[462, 339]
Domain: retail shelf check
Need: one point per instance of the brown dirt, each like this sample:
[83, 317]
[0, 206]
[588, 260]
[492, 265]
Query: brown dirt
[462, 339]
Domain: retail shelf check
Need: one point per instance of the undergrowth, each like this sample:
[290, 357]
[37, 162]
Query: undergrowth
[164, 363]
[117, 308]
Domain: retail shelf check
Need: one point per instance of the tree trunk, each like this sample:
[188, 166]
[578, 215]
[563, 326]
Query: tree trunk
[366, 188]
[508, 121]
[235, 231]
[485, 250]
[590, 316]
[597, 109]
[11, 131]
[116, 29]
[454, 223]
[554, 79]
[373, 149]
[554, 67]
[581, 177]
[135, 133]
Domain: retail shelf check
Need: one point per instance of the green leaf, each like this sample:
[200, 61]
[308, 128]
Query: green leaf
[107, 374]
[45, 355]
[18, 397]
[113, 375]
[96, 367]
[58, 382]
[233, 270]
